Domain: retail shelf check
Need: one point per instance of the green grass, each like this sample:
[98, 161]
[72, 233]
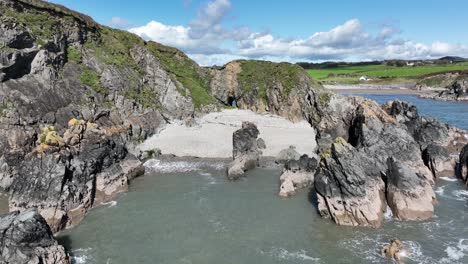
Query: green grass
[39, 23]
[261, 75]
[91, 78]
[184, 70]
[73, 54]
[343, 74]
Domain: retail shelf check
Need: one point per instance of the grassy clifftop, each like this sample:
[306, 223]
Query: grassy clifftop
[263, 75]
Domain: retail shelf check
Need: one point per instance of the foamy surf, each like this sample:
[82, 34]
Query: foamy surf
[450, 179]
[460, 195]
[283, 254]
[208, 176]
[79, 256]
[171, 166]
[110, 204]
[456, 252]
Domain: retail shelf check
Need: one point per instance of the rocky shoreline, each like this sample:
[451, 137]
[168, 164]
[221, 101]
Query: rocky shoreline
[79, 99]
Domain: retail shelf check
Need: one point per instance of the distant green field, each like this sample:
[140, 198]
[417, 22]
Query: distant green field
[385, 71]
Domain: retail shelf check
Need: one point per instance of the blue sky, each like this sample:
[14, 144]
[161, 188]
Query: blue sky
[216, 31]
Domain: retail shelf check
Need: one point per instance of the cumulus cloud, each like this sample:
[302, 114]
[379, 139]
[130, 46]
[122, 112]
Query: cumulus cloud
[209, 42]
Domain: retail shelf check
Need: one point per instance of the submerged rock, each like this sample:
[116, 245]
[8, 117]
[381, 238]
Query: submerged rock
[297, 174]
[26, 238]
[245, 151]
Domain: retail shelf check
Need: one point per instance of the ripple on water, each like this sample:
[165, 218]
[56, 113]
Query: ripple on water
[283, 254]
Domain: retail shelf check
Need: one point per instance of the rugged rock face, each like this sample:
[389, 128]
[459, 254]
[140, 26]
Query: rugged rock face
[409, 194]
[245, 151]
[279, 88]
[373, 134]
[63, 181]
[457, 90]
[26, 238]
[462, 165]
[297, 174]
[349, 188]
[75, 99]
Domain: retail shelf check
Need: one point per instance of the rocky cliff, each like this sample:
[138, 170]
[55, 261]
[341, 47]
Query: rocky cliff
[77, 98]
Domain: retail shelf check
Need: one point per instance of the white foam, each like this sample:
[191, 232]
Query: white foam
[388, 214]
[440, 190]
[283, 254]
[170, 166]
[78, 256]
[110, 204]
[456, 252]
[460, 195]
[450, 179]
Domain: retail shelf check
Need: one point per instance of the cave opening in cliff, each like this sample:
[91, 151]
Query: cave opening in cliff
[232, 101]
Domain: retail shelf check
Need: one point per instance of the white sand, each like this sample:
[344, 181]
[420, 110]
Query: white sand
[212, 136]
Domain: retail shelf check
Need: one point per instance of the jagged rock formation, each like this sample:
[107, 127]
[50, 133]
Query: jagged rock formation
[246, 152]
[297, 174]
[462, 165]
[27, 239]
[409, 194]
[349, 188]
[456, 90]
[63, 181]
[371, 135]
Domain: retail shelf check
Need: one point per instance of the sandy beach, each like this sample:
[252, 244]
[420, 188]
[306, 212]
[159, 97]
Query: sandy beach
[211, 137]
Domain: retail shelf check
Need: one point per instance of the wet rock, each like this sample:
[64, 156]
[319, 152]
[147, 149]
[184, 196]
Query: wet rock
[438, 160]
[409, 194]
[245, 151]
[26, 238]
[349, 188]
[288, 154]
[65, 182]
[462, 165]
[394, 250]
[297, 174]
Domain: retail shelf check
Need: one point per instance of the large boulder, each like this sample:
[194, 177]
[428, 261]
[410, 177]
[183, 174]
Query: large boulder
[297, 174]
[349, 187]
[245, 151]
[25, 238]
[409, 194]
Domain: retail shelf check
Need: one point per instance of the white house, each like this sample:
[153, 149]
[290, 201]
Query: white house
[364, 78]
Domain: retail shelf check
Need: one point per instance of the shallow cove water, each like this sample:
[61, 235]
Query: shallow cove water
[189, 213]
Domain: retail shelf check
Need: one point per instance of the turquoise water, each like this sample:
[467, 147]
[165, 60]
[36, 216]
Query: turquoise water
[187, 212]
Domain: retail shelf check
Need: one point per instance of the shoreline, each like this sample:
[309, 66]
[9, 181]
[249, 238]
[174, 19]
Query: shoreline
[376, 89]
[211, 135]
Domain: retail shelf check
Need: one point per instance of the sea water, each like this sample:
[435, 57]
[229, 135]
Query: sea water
[187, 212]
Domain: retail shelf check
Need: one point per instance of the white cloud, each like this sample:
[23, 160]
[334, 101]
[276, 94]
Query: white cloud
[209, 42]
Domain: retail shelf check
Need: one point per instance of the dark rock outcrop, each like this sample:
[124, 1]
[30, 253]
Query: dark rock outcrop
[297, 174]
[349, 188]
[63, 181]
[438, 160]
[245, 151]
[462, 165]
[25, 238]
[409, 194]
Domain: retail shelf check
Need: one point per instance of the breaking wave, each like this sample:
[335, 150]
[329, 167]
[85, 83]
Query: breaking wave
[169, 166]
[283, 254]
